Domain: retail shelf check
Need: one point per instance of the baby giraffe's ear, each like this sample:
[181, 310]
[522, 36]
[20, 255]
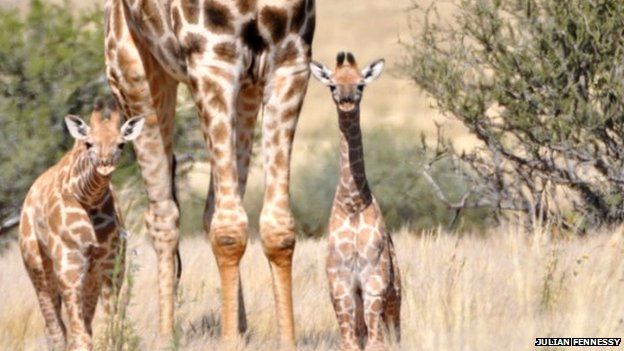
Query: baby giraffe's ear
[321, 72]
[77, 127]
[132, 128]
[372, 71]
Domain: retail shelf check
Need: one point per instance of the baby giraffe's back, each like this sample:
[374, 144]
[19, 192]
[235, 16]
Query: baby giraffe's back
[361, 264]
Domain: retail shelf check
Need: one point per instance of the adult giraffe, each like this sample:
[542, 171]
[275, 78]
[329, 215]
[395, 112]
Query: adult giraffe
[235, 56]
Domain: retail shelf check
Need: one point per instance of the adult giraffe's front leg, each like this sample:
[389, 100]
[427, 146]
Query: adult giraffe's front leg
[214, 82]
[142, 87]
[285, 92]
[248, 103]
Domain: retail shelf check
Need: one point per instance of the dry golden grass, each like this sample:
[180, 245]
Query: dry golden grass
[488, 292]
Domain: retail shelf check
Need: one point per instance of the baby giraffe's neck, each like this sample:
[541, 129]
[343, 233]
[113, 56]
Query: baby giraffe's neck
[353, 193]
[88, 186]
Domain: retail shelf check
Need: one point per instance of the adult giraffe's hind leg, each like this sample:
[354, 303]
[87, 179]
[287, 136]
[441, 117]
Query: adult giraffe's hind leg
[142, 87]
[247, 105]
[286, 90]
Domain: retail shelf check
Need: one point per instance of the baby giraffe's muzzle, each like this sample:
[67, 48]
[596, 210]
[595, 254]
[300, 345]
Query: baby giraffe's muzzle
[105, 168]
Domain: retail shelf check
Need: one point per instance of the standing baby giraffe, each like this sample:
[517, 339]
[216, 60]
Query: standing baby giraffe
[69, 229]
[362, 269]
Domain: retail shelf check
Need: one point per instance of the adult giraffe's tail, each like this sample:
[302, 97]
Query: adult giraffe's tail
[174, 191]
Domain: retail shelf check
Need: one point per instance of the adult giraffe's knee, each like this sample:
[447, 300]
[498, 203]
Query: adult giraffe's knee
[228, 234]
[162, 220]
[278, 237]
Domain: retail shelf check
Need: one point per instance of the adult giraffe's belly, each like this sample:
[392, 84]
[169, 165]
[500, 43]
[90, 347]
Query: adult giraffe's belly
[151, 23]
[169, 28]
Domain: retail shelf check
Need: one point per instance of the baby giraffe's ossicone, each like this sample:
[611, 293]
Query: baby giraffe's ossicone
[347, 81]
[361, 265]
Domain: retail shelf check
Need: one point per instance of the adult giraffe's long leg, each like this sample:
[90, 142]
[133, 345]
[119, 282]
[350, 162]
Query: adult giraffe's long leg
[248, 104]
[286, 89]
[142, 87]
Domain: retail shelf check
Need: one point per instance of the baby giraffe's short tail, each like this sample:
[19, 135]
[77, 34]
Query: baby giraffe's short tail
[392, 315]
[392, 312]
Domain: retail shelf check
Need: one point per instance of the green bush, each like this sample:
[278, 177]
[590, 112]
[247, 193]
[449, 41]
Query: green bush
[540, 83]
[51, 64]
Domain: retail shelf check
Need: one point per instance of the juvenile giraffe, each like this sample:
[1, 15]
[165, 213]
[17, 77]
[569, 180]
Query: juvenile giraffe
[235, 56]
[69, 229]
[364, 280]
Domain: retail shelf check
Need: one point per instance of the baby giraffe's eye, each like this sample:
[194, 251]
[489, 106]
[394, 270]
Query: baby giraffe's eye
[332, 87]
[120, 146]
[360, 86]
[88, 144]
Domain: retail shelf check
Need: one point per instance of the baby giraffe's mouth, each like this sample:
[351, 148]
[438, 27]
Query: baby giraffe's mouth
[105, 170]
[346, 106]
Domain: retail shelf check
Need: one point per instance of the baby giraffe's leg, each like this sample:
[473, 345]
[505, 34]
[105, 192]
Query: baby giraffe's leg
[345, 306]
[91, 291]
[112, 276]
[39, 268]
[374, 286]
[72, 275]
[373, 309]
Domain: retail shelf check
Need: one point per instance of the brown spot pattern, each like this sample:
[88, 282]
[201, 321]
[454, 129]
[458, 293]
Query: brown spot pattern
[276, 20]
[217, 101]
[153, 16]
[217, 17]
[287, 55]
[25, 224]
[54, 219]
[190, 9]
[225, 51]
[297, 87]
[194, 44]
[220, 133]
[245, 6]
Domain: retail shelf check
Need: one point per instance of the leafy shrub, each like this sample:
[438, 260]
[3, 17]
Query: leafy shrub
[540, 83]
[51, 64]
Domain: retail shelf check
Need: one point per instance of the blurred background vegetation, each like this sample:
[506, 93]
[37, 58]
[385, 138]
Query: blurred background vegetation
[50, 65]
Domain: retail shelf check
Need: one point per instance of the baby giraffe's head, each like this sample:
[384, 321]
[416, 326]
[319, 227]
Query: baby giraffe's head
[346, 81]
[104, 138]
